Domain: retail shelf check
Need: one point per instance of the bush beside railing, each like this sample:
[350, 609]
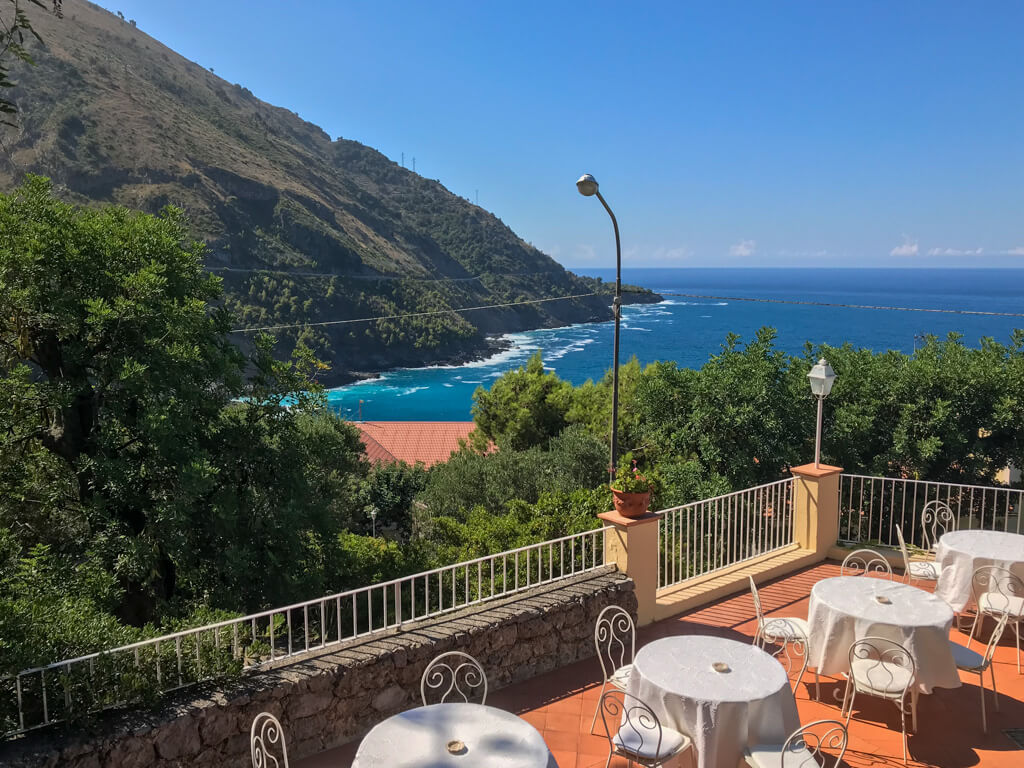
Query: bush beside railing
[141, 671]
[871, 508]
[705, 536]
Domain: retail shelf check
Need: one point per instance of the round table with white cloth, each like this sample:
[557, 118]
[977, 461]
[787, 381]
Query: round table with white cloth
[961, 553]
[721, 711]
[419, 738]
[848, 608]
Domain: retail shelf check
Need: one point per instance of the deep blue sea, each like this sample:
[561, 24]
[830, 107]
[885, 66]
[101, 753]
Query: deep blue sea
[690, 330]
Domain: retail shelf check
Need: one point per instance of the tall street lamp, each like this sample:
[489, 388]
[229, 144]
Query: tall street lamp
[587, 185]
[822, 377]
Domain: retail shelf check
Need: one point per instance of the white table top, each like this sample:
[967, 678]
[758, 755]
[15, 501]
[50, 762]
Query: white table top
[419, 737]
[856, 596]
[844, 609]
[721, 711]
[682, 665]
[960, 553]
[988, 545]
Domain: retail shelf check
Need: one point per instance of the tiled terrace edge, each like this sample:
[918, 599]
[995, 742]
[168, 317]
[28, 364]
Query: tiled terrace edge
[329, 698]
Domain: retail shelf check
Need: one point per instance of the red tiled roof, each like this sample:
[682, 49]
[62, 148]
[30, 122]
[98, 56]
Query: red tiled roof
[412, 441]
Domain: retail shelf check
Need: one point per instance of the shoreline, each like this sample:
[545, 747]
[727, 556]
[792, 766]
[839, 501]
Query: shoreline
[491, 347]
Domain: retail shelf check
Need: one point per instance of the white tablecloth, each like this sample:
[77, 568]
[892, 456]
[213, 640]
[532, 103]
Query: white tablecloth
[845, 609]
[419, 738]
[960, 553]
[721, 711]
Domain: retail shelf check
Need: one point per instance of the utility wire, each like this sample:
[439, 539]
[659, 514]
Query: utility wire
[841, 305]
[415, 314]
[294, 273]
[453, 310]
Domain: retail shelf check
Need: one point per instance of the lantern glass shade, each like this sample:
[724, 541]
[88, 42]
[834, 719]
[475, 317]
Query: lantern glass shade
[821, 377]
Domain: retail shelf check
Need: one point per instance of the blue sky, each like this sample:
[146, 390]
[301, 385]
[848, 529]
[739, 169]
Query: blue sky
[722, 134]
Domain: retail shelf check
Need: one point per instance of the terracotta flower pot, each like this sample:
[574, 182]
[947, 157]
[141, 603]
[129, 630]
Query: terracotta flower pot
[631, 504]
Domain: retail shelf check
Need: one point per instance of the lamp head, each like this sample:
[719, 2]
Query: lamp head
[587, 185]
[822, 377]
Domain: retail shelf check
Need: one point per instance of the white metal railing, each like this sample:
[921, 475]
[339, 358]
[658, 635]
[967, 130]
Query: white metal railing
[870, 508]
[704, 536]
[116, 677]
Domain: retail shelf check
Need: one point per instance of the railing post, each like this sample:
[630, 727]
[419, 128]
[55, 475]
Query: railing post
[631, 543]
[816, 507]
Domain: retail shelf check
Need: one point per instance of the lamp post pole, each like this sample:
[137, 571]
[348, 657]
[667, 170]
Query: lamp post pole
[817, 436]
[587, 186]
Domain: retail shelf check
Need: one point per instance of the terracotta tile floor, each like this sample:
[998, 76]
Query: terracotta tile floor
[561, 704]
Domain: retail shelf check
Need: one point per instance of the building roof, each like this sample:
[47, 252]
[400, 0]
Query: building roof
[412, 441]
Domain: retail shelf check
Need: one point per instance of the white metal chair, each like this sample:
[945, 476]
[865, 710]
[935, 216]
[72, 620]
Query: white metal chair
[792, 649]
[636, 733]
[783, 630]
[265, 735]
[885, 669]
[936, 519]
[615, 640]
[803, 748]
[454, 674]
[972, 661]
[997, 591]
[862, 562]
[922, 570]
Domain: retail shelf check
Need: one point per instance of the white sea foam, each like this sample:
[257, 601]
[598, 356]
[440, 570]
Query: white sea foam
[409, 390]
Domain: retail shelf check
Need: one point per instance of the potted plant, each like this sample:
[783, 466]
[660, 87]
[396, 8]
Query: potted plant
[631, 489]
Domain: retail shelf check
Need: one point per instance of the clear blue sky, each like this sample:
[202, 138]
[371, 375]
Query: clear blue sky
[722, 134]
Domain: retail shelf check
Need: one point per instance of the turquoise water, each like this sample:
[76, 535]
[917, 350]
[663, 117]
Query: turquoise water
[690, 330]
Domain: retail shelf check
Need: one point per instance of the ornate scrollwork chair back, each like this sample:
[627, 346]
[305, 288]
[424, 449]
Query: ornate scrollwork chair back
[615, 639]
[862, 562]
[635, 732]
[937, 518]
[805, 748]
[454, 675]
[998, 591]
[266, 740]
[885, 669]
[627, 716]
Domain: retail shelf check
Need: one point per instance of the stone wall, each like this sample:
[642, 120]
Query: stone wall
[330, 698]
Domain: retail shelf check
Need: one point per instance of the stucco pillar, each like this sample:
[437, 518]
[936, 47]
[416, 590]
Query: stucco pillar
[816, 507]
[632, 545]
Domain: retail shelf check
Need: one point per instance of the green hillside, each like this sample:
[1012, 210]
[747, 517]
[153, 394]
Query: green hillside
[301, 228]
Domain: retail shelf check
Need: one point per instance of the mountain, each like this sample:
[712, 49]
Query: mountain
[302, 229]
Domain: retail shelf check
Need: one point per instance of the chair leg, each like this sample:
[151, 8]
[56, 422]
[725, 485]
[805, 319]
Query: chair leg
[995, 694]
[817, 685]
[598, 709]
[1016, 629]
[609, 760]
[913, 705]
[981, 685]
[848, 696]
[903, 722]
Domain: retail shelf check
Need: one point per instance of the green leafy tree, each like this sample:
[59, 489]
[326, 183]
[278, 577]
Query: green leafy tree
[523, 408]
[124, 432]
[390, 488]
